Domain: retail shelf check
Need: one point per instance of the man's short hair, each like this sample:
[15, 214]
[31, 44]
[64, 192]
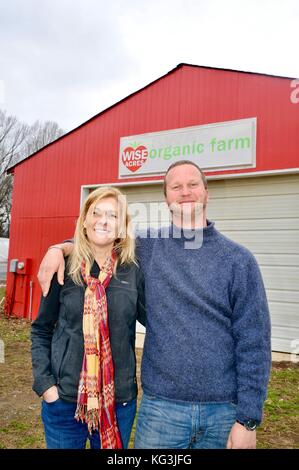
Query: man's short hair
[185, 162]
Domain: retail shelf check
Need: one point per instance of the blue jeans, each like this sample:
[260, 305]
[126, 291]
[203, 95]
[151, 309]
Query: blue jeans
[167, 424]
[62, 431]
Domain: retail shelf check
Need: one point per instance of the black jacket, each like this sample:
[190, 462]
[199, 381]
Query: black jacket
[57, 335]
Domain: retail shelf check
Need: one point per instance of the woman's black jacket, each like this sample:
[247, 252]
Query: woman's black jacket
[57, 336]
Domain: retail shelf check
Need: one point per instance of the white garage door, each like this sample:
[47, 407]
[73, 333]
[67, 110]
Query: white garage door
[261, 213]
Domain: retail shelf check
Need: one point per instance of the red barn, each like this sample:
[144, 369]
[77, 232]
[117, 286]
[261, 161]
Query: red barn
[241, 128]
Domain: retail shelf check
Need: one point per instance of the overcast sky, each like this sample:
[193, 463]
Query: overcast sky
[66, 60]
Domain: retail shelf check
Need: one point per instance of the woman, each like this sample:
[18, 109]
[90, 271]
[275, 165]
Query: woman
[83, 340]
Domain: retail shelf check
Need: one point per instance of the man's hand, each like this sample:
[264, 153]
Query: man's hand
[51, 394]
[52, 262]
[240, 438]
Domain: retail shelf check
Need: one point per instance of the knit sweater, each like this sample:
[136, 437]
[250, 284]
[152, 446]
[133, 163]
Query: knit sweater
[208, 325]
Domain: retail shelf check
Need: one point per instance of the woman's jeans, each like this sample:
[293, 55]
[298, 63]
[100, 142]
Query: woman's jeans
[62, 431]
[167, 424]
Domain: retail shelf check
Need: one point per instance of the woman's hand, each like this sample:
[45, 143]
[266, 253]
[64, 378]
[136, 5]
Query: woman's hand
[51, 394]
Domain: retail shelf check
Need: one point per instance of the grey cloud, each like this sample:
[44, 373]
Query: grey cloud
[52, 49]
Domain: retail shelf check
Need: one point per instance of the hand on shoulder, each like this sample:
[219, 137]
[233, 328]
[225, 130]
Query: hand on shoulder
[52, 262]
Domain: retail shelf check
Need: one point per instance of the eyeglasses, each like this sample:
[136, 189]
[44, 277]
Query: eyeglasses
[98, 214]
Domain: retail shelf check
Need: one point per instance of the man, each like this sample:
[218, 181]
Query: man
[207, 355]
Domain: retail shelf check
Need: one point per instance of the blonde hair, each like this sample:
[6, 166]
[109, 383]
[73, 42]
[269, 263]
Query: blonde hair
[124, 245]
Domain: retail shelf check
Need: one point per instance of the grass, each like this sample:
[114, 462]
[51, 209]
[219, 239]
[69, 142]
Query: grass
[280, 427]
[20, 423]
[2, 296]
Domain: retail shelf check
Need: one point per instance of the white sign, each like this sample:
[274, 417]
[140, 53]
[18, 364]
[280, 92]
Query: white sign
[219, 146]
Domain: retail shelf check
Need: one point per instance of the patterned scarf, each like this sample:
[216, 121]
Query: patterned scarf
[96, 396]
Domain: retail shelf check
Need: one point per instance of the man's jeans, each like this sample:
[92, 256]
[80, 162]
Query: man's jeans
[167, 424]
[62, 431]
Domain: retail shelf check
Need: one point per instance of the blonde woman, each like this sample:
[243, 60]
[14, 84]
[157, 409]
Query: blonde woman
[83, 340]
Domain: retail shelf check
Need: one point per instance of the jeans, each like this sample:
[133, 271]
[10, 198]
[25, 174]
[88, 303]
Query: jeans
[167, 424]
[62, 431]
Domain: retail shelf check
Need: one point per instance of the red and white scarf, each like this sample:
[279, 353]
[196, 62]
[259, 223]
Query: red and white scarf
[96, 392]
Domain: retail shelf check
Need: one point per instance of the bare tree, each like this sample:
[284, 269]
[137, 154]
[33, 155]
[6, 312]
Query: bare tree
[13, 135]
[41, 134]
[5, 204]
[17, 141]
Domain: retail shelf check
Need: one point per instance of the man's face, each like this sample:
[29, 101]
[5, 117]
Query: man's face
[185, 188]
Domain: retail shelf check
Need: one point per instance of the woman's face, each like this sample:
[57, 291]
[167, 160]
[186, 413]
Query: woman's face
[101, 222]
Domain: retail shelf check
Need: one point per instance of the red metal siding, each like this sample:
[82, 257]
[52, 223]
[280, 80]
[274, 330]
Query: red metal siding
[47, 186]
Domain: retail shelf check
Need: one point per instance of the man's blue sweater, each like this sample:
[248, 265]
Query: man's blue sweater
[208, 326]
